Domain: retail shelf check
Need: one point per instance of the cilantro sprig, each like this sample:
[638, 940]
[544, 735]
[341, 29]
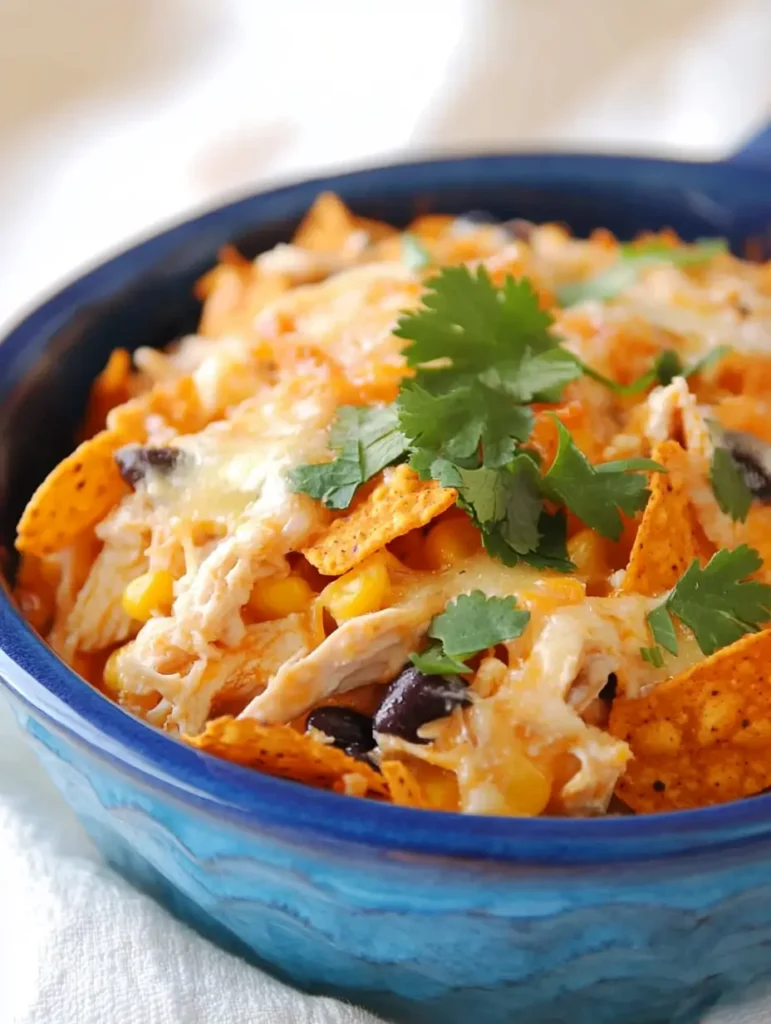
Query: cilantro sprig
[365, 439]
[729, 485]
[469, 624]
[415, 256]
[719, 603]
[597, 494]
[480, 354]
[634, 257]
[666, 366]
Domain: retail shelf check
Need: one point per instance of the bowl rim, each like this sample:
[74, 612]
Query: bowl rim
[156, 760]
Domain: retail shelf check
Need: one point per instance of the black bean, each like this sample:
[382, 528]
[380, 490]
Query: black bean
[134, 461]
[608, 692]
[753, 457]
[413, 699]
[349, 730]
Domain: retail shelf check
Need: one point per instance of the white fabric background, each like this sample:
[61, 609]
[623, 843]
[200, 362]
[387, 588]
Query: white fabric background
[116, 115]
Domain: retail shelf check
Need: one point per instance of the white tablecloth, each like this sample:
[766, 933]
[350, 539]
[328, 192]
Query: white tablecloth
[116, 115]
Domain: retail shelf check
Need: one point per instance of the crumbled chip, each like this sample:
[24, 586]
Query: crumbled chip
[403, 786]
[235, 298]
[703, 737]
[36, 582]
[326, 226]
[399, 503]
[284, 752]
[666, 541]
[175, 401]
[74, 496]
[111, 388]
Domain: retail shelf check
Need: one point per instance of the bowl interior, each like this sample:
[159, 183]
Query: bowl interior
[145, 295]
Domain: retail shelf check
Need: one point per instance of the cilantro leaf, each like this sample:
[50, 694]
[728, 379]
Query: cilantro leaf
[719, 603]
[729, 485]
[666, 367]
[415, 256]
[366, 440]
[632, 259]
[435, 662]
[595, 494]
[473, 622]
[472, 326]
[535, 376]
[505, 504]
[455, 423]
[653, 656]
[663, 628]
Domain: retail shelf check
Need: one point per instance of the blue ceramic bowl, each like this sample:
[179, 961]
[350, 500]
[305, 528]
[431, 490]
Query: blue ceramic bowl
[432, 918]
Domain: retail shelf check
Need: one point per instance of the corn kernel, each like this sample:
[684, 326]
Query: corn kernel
[528, 787]
[147, 594]
[450, 541]
[589, 553]
[362, 590]
[110, 676]
[277, 598]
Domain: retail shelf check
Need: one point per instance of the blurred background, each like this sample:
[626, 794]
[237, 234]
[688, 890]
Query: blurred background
[116, 115]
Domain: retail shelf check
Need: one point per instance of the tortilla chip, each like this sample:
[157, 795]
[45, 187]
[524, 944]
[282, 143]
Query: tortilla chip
[111, 388]
[399, 503]
[175, 401]
[284, 752]
[74, 496]
[403, 787]
[326, 226]
[35, 591]
[703, 737]
[236, 297]
[431, 226]
[666, 541]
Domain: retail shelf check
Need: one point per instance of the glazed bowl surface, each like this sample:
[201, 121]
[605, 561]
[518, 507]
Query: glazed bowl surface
[423, 917]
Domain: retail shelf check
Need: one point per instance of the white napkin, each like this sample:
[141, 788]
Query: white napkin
[78, 945]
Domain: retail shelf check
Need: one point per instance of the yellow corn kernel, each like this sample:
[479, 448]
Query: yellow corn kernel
[147, 594]
[528, 787]
[450, 541]
[111, 676]
[277, 598]
[364, 589]
[589, 552]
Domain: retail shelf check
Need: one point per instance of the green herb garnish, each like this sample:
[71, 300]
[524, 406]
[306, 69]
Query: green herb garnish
[366, 440]
[729, 486]
[415, 256]
[666, 366]
[469, 624]
[718, 603]
[632, 259]
[596, 493]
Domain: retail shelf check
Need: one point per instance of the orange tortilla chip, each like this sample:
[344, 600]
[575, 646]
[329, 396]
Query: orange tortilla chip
[111, 388]
[703, 737]
[36, 582]
[399, 503]
[284, 752]
[74, 496]
[329, 223]
[175, 401]
[403, 787]
[666, 541]
[237, 297]
[326, 226]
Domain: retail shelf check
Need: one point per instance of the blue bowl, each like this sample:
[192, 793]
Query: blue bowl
[433, 918]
